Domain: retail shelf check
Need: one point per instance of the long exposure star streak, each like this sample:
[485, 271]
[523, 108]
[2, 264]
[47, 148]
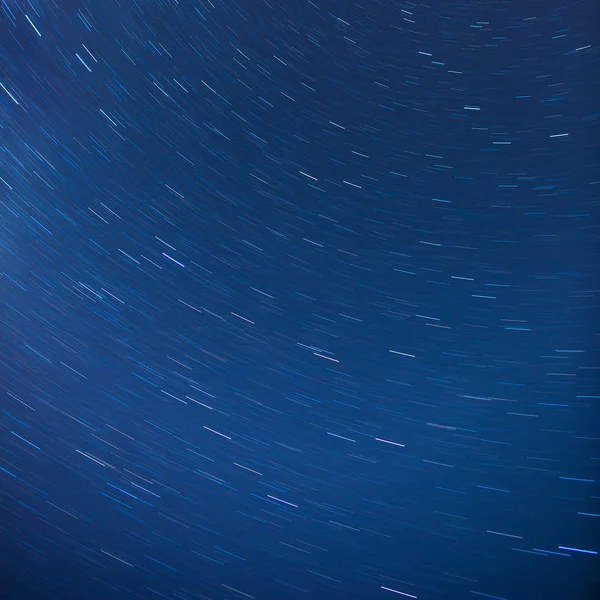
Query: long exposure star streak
[298, 299]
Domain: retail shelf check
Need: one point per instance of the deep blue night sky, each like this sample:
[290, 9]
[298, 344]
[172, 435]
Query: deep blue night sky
[299, 300]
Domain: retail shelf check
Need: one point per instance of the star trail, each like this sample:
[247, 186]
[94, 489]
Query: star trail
[299, 300]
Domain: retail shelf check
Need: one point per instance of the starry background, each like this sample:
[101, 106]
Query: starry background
[297, 299]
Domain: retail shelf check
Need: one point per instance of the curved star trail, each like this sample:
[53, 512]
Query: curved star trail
[298, 299]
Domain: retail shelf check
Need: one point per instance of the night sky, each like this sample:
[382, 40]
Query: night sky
[299, 300]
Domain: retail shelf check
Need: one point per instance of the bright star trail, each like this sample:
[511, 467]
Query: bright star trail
[299, 299]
